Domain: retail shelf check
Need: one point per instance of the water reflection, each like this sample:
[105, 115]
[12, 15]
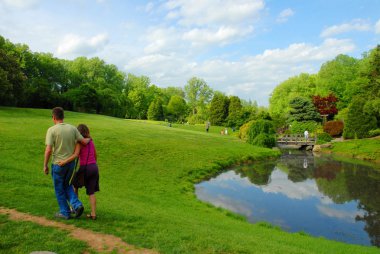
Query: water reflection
[300, 192]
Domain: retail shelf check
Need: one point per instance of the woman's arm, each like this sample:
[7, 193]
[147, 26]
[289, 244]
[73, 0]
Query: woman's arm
[72, 157]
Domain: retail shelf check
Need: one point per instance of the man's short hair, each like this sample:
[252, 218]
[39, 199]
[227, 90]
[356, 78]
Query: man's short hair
[58, 113]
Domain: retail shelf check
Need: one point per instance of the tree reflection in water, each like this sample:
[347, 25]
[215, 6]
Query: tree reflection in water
[341, 181]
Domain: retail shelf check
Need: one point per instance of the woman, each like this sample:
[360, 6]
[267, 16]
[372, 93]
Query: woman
[87, 162]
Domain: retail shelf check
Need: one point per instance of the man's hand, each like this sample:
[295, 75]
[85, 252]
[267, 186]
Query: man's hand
[46, 170]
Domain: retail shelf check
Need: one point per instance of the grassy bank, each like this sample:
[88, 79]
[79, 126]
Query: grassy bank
[147, 194]
[362, 149]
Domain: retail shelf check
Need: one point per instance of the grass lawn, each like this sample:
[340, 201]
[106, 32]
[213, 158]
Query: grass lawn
[25, 237]
[363, 149]
[147, 176]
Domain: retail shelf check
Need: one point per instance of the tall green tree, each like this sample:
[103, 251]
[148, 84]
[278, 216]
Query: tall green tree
[219, 109]
[155, 111]
[177, 108]
[198, 94]
[303, 110]
[358, 122]
[235, 113]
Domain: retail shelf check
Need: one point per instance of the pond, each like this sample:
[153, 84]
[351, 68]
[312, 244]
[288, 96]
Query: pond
[302, 192]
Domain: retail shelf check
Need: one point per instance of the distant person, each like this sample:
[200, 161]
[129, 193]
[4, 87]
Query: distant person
[60, 142]
[87, 161]
[306, 134]
[207, 126]
[225, 131]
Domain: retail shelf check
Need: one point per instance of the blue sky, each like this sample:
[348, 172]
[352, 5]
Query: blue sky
[239, 47]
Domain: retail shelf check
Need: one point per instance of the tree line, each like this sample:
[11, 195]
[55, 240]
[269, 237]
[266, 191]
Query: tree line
[40, 80]
[345, 89]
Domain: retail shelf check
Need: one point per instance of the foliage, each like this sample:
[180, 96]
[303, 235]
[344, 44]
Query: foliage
[177, 108]
[323, 138]
[155, 111]
[235, 112]
[198, 94]
[337, 77]
[358, 123]
[300, 127]
[219, 109]
[334, 128]
[326, 105]
[374, 133]
[243, 131]
[261, 133]
[302, 85]
[302, 110]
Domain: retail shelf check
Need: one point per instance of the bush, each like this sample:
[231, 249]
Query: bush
[264, 140]
[323, 138]
[243, 131]
[358, 123]
[374, 133]
[334, 128]
[300, 127]
[261, 133]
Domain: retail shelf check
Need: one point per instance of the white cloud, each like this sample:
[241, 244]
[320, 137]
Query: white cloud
[20, 4]
[214, 12]
[74, 45]
[348, 216]
[377, 27]
[205, 23]
[222, 35]
[162, 40]
[285, 15]
[355, 25]
[251, 77]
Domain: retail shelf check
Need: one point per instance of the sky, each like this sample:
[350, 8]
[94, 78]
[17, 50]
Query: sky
[239, 47]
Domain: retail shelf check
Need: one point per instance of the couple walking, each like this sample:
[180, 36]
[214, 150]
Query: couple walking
[65, 143]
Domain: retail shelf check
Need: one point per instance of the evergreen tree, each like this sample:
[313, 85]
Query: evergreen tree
[302, 110]
[235, 113]
[219, 109]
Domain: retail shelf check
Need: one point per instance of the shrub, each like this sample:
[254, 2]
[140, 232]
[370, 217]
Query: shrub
[300, 127]
[323, 138]
[264, 140]
[374, 133]
[334, 128]
[243, 131]
[261, 133]
[358, 123]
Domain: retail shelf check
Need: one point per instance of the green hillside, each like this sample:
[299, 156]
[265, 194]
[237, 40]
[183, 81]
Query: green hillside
[147, 172]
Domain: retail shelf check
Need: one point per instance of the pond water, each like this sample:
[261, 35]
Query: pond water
[302, 192]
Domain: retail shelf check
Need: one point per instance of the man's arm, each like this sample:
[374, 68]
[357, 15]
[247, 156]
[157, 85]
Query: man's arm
[48, 150]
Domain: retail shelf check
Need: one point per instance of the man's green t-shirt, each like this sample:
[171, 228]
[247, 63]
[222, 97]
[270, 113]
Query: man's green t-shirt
[62, 137]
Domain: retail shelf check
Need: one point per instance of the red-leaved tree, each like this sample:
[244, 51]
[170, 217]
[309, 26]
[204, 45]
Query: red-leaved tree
[326, 106]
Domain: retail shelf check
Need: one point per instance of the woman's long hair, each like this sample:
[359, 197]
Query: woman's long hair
[84, 130]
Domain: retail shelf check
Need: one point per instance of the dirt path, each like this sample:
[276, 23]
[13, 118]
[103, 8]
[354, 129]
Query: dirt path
[96, 241]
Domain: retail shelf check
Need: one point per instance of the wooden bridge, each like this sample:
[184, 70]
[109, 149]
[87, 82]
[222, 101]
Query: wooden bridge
[297, 141]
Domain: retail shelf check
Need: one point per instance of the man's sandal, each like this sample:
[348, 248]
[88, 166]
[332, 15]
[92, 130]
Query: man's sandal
[89, 216]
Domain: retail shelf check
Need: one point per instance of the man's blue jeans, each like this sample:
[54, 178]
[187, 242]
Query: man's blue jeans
[63, 191]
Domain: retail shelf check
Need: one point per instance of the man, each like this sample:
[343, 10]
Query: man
[306, 134]
[60, 141]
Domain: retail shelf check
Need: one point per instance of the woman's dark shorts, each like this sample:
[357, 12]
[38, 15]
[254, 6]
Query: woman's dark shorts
[91, 178]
